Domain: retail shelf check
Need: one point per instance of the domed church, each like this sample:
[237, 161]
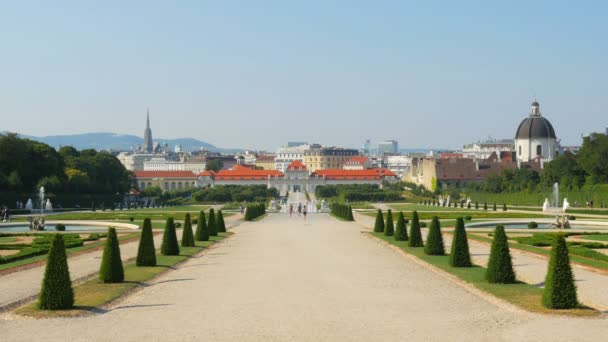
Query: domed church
[535, 138]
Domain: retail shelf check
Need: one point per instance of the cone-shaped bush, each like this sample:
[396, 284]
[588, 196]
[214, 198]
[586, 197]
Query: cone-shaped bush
[212, 223]
[504, 207]
[56, 292]
[111, 270]
[221, 225]
[401, 230]
[379, 225]
[434, 241]
[560, 290]
[146, 254]
[494, 206]
[350, 214]
[485, 206]
[187, 235]
[389, 227]
[202, 231]
[459, 256]
[415, 234]
[500, 266]
[169, 245]
[476, 205]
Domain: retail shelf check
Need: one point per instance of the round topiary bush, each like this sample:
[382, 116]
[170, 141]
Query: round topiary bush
[60, 227]
[532, 225]
[571, 217]
[178, 224]
[468, 218]
[131, 218]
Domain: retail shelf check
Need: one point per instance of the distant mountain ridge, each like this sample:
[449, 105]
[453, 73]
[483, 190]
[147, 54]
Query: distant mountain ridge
[121, 142]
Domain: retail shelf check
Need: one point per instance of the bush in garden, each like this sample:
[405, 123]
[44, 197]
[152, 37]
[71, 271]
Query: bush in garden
[532, 225]
[131, 218]
[169, 245]
[401, 230]
[415, 234]
[476, 205]
[60, 227]
[500, 265]
[253, 211]
[221, 225]
[212, 223]
[56, 292]
[389, 228]
[468, 218]
[469, 205]
[504, 207]
[111, 270]
[434, 241]
[202, 232]
[459, 255]
[494, 206]
[485, 206]
[379, 224]
[187, 235]
[560, 290]
[146, 253]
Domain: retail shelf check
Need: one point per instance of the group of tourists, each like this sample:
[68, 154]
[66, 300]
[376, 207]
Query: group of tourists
[301, 210]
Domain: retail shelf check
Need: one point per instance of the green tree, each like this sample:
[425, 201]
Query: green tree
[187, 236]
[169, 245]
[212, 223]
[500, 265]
[415, 234]
[434, 240]
[202, 232]
[221, 225]
[593, 157]
[111, 270]
[389, 228]
[146, 253]
[459, 256]
[379, 224]
[560, 290]
[56, 292]
[401, 230]
[214, 165]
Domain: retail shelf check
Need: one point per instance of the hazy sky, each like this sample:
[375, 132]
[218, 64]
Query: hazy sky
[259, 73]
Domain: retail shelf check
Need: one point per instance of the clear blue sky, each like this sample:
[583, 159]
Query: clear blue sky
[259, 73]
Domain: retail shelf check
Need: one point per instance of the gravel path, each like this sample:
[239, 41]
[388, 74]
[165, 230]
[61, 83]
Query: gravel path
[18, 286]
[284, 279]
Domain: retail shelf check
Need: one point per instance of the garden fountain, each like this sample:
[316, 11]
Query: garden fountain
[37, 223]
[561, 220]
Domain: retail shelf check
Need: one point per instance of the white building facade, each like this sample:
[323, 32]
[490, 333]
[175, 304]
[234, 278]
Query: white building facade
[535, 138]
[288, 154]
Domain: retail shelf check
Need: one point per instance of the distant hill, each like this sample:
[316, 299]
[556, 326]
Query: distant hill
[121, 142]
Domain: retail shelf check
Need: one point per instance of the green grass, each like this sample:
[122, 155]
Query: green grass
[7, 239]
[521, 294]
[599, 237]
[93, 294]
[479, 214]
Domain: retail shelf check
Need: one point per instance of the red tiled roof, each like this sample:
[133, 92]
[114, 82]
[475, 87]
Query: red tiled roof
[164, 174]
[357, 160]
[265, 158]
[296, 165]
[207, 173]
[243, 173]
[354, 174]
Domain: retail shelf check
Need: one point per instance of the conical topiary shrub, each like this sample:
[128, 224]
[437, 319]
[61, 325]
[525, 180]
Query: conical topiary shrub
[212, 223]
[459, 255]
[169, 245]
[485, 206]
[401, 230]
[146, 253]
[350, 216]
[221, 225]
[560, 290]
[379, 225]
[504, 207]
[111, 270]
[187, 235]
[434, 240]
[202, 232]
[389, 227]
[500, 265]
[415, 234]
[56, 292]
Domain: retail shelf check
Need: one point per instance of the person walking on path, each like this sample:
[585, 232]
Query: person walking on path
[299, 209]
[290, 210]
[304, 212]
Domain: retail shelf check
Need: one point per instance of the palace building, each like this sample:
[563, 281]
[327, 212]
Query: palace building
[535, 138]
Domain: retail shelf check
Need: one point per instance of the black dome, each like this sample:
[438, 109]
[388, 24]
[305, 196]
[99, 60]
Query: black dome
[535, 127]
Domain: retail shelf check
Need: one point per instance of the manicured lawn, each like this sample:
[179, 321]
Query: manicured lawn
[93, 294]
[599, 237]
[521, 294]
[454, 214]
[7, 239]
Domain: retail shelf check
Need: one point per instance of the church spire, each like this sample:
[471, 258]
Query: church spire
[148, 145]
[148, 119]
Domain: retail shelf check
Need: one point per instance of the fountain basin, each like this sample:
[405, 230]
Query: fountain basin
[72, 226]
[543, 224]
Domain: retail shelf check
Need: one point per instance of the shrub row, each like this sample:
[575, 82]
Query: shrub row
[343, 211]
[254, 210]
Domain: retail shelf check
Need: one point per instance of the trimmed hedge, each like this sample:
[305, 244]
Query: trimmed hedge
[500, 265]
[56, 292]
[187, 235]
[343, 211]
[212, 224]
[379, 224]
[415, 234]
[560, 290]
[146, 253]
[111, 270]
[434, 241]
[169, 245]
[389, 228]
[202, 231]
[459, 255]
[253, 211]
[401, 230]
[221, 225]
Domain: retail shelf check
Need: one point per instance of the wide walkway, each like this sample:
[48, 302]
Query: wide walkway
[282, 279]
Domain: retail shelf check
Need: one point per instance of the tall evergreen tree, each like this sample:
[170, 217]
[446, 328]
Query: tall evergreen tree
[415, 234]
[221, 225]
[202, 231]
[169, 245]
[434, 240]
[146, 253]
[111, 270]
[389, 227]
[401, 230]
[56, 292]
[212, 223]
[379, 225]
[560, 290]
[500, 265]
[459, 256]
[187, 235]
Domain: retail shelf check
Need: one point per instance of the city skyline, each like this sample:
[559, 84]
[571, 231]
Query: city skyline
[431, 75]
